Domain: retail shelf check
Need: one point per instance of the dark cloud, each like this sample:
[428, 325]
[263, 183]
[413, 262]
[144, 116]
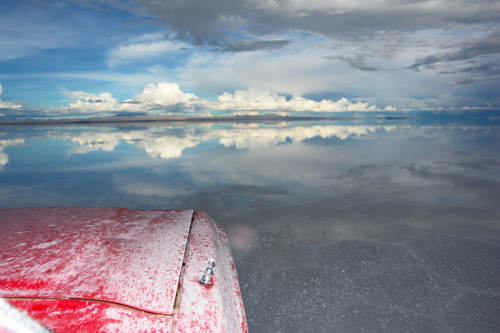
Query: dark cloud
[490, 68]
[254, 45]
[130, 102]
[355, 62]
[471, 50]
[483, 72]
[211, 23]
[471, 81]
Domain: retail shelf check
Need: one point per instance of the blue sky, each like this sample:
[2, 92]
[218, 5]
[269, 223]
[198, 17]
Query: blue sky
[94, 57]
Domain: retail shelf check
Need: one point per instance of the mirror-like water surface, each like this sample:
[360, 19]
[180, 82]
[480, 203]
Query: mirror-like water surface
[335, 226]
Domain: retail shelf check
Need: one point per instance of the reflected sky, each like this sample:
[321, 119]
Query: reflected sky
[361, 226]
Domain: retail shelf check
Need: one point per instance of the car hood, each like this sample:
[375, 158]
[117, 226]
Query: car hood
[127, 257]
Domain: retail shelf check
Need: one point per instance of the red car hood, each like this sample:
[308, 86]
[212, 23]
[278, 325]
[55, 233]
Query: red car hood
[78, 253]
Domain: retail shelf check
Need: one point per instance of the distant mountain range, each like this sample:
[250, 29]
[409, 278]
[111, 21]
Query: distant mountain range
[135, 118]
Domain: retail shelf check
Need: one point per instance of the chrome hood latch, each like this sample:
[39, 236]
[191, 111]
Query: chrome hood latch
[207, 279]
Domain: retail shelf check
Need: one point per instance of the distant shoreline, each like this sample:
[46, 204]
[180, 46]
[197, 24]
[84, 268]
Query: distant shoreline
[176, 119]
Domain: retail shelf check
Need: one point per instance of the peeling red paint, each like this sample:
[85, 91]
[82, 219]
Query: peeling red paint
[121, 268]
[217, 308]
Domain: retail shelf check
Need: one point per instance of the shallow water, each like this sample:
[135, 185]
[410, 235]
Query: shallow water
[352, 226]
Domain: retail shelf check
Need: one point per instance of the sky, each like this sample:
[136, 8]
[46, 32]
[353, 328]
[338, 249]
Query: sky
[102, 57]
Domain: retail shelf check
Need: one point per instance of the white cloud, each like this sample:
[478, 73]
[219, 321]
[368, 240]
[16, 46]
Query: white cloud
[9, 105]
[263, 99]
[165, 94]
[168, 146]
[91, 103]
[297, 70]
[4, 158]
[254, 99]
[143, 48]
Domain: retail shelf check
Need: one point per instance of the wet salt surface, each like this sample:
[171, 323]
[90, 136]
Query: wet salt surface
[335, 227]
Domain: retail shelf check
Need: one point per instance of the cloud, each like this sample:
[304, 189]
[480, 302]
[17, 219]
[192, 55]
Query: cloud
[169, 94]
[297, 69]
[219, 23]
[263, 99]
[482, 72]
[355, 62]
[254, 45]
[165, 94]
[285, 46]
[471, 50]
[141, 49]
[89, 103]
[168, 98]
[471, 81]
[8, 105]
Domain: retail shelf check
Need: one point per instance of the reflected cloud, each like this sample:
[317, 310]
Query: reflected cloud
[167, 143]
[95, 140]
[4, 158]
[168, 146]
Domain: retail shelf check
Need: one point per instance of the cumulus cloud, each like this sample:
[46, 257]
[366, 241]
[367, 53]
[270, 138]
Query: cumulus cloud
[169, 94]
[8, 105]
[263, 99]
[86, 102]
[165, 94]
[91, 103]
[166, 97]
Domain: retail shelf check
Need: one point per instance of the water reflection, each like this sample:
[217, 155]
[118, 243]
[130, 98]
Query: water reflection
[165, 144]
[4, 158]
[346, 228]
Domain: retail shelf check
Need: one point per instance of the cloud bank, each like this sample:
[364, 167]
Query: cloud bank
[263, 99]
[167, 97]
[166, 145]
[211, 23]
